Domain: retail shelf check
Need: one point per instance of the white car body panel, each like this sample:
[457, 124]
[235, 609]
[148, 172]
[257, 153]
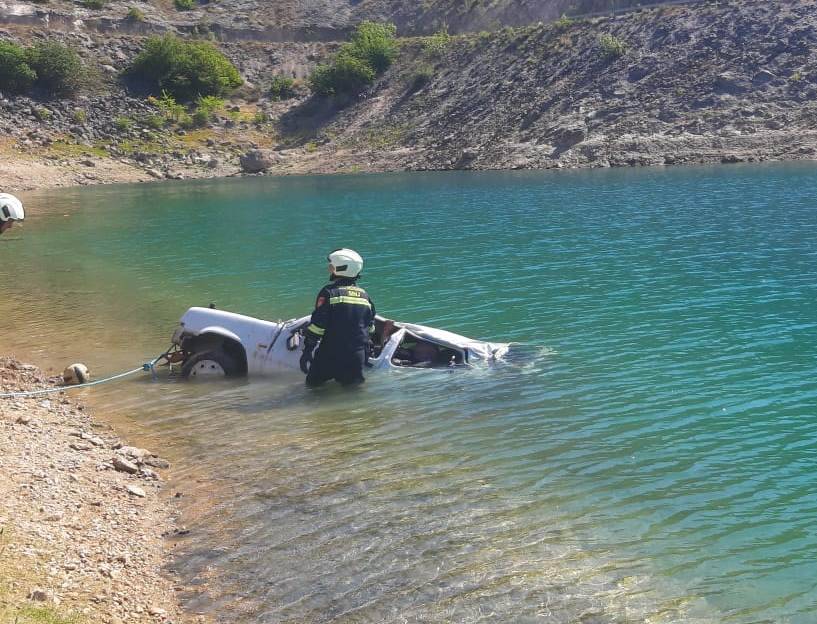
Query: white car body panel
[266, 343]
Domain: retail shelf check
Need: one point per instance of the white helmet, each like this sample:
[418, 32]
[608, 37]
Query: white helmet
[11, 208]
[345, 262]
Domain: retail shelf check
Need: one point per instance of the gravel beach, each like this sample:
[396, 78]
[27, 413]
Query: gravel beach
[85, 516]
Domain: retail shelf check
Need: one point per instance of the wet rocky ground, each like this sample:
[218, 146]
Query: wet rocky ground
[85, 519]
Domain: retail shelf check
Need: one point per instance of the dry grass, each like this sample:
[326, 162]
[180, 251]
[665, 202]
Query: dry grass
[63, 149]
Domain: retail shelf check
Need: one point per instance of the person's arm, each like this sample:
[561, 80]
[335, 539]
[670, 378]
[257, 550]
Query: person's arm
[320, 317]
[371, 321]
[316, 328]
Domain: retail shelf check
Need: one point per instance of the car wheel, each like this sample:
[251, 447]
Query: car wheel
[211, 363]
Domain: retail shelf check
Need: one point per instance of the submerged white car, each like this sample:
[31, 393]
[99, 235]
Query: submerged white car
[211, 342]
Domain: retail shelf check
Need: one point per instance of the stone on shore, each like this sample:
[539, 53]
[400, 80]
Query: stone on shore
[133, 452]
[157, 462]
[40, 595]
[136, 491]
[258, 160]
[123, 465]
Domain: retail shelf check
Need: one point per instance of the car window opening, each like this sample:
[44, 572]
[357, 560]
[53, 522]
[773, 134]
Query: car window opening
[383, 329]
[419, 353]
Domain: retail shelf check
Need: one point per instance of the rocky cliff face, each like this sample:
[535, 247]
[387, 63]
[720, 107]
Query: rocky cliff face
[704, 82]
[307, 20]
[729, 82]
[459, 16]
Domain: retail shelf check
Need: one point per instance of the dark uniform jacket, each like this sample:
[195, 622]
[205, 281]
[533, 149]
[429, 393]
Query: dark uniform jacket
[343, 318]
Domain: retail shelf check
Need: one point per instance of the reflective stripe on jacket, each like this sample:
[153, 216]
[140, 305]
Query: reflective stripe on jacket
[343, 316]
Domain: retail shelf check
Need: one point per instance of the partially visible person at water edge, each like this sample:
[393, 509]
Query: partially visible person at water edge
[11, 210]
[342, 322]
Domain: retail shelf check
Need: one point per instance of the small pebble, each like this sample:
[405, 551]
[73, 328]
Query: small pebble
[136, 491]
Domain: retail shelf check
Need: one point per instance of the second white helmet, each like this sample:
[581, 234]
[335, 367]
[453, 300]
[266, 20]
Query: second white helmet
[11, 208]
[346, 262]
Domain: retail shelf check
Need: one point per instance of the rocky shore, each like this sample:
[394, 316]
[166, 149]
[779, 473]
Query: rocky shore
[85, 517]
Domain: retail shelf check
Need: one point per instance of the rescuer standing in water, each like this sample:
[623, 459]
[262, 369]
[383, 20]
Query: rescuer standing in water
[343, 323]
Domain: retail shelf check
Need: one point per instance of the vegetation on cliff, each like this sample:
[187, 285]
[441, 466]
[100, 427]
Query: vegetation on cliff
[184, 69]
[49, 67]
[370, 52]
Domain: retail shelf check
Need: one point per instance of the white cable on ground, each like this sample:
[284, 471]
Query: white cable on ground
[145, 367]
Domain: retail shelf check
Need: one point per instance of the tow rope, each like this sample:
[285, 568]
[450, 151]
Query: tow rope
[146, 367]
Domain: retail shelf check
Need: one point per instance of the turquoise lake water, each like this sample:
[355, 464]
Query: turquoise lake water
[651, 459]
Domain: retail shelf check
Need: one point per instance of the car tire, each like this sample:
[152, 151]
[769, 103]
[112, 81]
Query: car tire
[210, 363]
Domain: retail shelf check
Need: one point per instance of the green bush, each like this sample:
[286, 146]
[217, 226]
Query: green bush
[423, 75]
[611, 46]
[135, 15]
[93, 4]
[16, 75]
[123, 124]
[59, 69]
[375, 44]
[209, 105]
[183, 5]
[200, 118]
[206, 109]
[171, 110]
[50, 66]
[157, 122]
[79, 116]
[438, 42]
[563, 23]
[347, 75]
[186, 121]
[282, 88]
[371, 51]
[185, 69]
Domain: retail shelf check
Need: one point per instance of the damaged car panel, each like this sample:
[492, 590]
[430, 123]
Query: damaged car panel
[213, 342]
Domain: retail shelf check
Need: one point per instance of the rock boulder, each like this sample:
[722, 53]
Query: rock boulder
[258, 160]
